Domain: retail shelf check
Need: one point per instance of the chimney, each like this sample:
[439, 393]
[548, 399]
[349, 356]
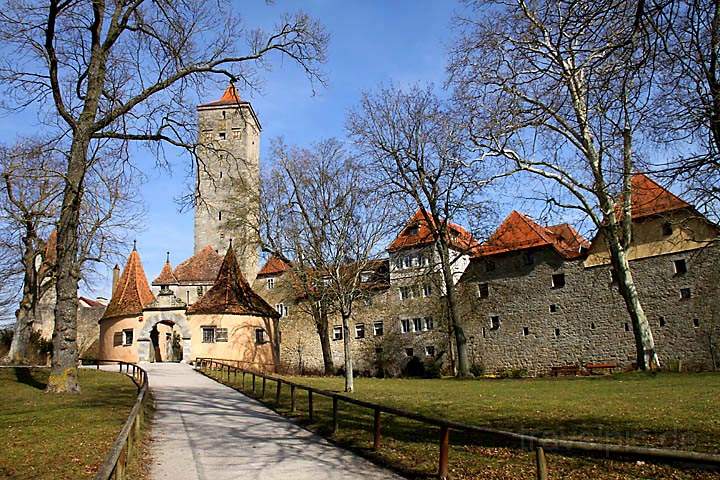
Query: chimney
[116, 278]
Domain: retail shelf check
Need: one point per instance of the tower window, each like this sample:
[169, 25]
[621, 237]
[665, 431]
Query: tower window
[430, 351]
[221, 174]
[494, 322]
[526, 331]
[696, 322]
[627, 327]
[553, 308]
[260, 336]
[680, 266]
[221, 135]
[592, 325]
[662, 321]
[219, 216]
[270, 283]
[483, 290]
[337, 332]
[557, 332]
[685, 293]
[378, 329]
[558, 280]
[409, 352]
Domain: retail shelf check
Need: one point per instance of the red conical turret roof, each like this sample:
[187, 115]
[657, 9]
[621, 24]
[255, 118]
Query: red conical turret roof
[231, 294]
[132, 292]
[166, 277]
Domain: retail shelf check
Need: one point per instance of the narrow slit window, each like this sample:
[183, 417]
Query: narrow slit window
[557, 332]
[483, 290]
[627, 327]
[662, 321]
[696, 322]
[526, 331]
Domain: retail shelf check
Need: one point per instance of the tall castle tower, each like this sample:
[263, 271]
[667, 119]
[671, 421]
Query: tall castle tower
[228, 179]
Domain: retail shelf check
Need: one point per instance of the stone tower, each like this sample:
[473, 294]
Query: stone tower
[228, 179]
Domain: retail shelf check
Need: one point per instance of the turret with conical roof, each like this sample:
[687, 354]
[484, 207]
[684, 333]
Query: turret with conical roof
[229, 152]
[132, 292]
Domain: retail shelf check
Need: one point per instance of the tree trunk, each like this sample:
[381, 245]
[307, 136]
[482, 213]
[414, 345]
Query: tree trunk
[25, 316]
[63, 377]
[463, 365]
[20, 346]
[347, 354]
[647, 358]
[323, 330]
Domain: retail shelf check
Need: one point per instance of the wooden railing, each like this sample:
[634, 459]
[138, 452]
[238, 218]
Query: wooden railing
[527, 442]
[126, 444]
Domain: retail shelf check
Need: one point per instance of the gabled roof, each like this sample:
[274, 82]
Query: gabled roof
[166, 277]
[520, 232]
[274, 266]
[132, 292]
[231, 294]
[202, 267]
[649, 198]
[417, 233]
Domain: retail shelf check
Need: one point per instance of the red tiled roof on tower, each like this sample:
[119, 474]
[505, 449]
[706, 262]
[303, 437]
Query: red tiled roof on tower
[274, 266]
[417, 233]
[49, 254]
[231, 294]
[519, 232]
[229, 97]
[132, 292]
[201, 267]
[166, 277]
[649, 198]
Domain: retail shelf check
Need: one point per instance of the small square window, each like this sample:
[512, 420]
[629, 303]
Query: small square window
[667, 229]
[592, 325]
[222, 135]
[494, 322]
[409, 352]
[685, 293]
[526, 331]
[337, 332]
[553, 308]
[662, 321]
[558, 280]
[489, 266]
[360, 330]
[117, 339]
[208, 334]
[405, 325]
[483, 290]
[696, 322]
[270, 283]
[221, 334]
[430, 351]
[260, 336]
[557, 332]
[378, 329]
[128, 337]
[680, 267]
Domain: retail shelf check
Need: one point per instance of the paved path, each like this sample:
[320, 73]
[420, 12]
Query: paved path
[206, 431]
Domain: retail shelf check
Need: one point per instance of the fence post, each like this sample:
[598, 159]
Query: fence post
[98, 364]
[292, 398]
[310, 405]
[335, 414]
[444, 448]
[243, 382]
[120, 365]
[253, 382]
[262, 395]
[277, 392]
[376, 430]
[540, 463]
[228, 373]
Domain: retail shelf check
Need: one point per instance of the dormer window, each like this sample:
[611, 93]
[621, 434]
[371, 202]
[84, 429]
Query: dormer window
[270, 283]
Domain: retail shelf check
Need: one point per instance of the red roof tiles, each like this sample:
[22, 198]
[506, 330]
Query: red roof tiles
[274, 266]
[166, 277]
[229, 97]
[519, 232]
[202, 267]
[231, 294]
[132, 292]
[649, 198]
[417, 233]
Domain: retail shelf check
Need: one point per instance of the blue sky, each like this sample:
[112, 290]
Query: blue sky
[371, 42]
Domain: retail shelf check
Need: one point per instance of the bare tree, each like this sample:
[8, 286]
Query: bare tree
[421, 162]
[33, 185]
[332, 229]
[687, 97]
[124, 71]
[560, 90]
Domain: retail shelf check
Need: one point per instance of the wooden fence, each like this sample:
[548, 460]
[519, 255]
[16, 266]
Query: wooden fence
[527, 442]
[127, 442]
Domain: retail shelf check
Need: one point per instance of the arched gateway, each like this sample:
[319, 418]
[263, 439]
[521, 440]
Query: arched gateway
[168, 316]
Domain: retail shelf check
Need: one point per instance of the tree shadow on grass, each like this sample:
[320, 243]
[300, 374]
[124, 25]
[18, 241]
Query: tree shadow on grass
[25, 375]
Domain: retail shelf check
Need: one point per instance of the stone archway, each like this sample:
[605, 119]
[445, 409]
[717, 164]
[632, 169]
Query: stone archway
[152, 318]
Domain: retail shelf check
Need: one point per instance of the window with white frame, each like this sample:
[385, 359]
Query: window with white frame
[282, 309]
[405, 325]
[117, 339]
[418, 324]
[429, 325]
[360, 330]
[270, 283]
[127, 337]
[208, 334]
[337, 332]
[427, 290]
[406, 293]
[407, 261]
[260, 337]
[424, 260]
[494, 322]
[378, 328]
[221, 334]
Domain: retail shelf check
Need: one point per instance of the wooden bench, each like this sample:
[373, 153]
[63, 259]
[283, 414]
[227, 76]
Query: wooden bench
[566, 370]
[601, 367]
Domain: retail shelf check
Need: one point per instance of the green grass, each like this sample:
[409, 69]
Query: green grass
[48, 436]
[668, 410]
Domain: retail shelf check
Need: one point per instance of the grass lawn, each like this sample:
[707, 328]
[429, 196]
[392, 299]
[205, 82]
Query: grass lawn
[669, 410]
[59, 436]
